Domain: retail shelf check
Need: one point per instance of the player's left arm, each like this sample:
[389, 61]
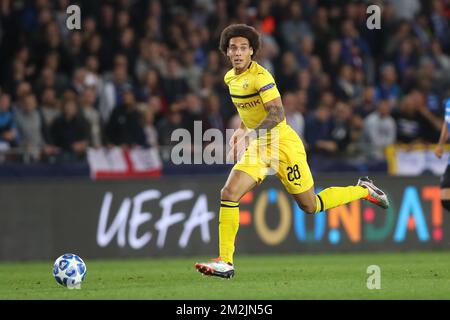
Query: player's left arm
[271, 98]
[275, 114]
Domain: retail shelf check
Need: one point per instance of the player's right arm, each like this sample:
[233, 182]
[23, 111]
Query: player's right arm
[237, 148]
[439, 151]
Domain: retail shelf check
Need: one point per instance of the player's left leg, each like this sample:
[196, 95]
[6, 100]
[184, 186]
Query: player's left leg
[333, 197]
[294, 173]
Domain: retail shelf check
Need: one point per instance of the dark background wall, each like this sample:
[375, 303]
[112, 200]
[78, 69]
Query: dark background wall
[178, 216]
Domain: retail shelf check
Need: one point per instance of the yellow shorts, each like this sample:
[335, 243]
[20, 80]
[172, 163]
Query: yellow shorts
[280, 152]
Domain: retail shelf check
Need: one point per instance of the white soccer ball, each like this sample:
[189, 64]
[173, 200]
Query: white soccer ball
[69, 270]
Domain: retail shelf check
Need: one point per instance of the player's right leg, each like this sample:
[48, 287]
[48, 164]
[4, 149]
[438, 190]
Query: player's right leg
[238, 184]
[445, 189]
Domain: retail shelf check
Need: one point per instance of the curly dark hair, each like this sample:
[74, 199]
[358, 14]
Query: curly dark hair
[240, 30]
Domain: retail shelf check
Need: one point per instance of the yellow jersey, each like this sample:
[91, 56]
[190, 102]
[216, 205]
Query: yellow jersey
[249, 91]
[283, 153]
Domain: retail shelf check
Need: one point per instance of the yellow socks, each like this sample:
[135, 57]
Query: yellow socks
[228, 227]
[336, 196]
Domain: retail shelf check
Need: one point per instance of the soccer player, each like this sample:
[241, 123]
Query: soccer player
[445, 179]
[256, 97]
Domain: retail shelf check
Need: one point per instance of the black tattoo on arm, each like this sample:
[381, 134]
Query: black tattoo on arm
[275, 114]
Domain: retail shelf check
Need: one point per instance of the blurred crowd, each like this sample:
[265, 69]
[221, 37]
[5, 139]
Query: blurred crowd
[137, 70]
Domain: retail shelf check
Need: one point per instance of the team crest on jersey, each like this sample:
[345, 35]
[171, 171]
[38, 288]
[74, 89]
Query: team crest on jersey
[245, 85]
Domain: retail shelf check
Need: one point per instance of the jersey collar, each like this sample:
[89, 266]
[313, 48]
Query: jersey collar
[246, 70]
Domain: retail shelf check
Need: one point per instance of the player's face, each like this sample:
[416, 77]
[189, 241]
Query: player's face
[239, 52]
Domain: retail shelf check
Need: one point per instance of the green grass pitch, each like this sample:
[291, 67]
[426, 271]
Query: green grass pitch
[322, 276]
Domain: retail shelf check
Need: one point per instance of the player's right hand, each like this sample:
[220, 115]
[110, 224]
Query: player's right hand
[439, 151]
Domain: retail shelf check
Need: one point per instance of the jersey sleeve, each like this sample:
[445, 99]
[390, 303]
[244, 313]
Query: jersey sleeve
[226, 78]
[266, 86]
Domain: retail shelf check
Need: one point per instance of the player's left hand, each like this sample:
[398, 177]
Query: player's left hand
[238, 148]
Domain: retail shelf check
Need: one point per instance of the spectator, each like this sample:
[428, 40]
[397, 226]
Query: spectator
[388, 87]
[294, 118]
[50, 107]
[406, 9]
[413, 119]
[405, 62]
[94, 47]
[113, 91]
[287, 78]
[92, 116]
[151, 86]
[211, 116]
[439, 21]
[125, 126]
[441, 60]
[333, 60]
[174, 81]
[75, 54]
[192, 111]
[422, 30]
[8, 127]
[107, 33]
[379, 130]
[92, 77]
[302, 101]
[207, 85]
[318, 128]
[78, 80]
[402, 33]
[363, 108]
[354, 47]
[151, 133]
[69, 133]
[31, 127]
[22, 90]
[166, 126]
[345, 86]
[126, 46]
[193, 72]
[431, 127]
[430, 96]
[304, 52]
[341, 133]
[269, 50]
[323, 32]
[305, 83]
[295, 27]
[155, 104]
[52, 61]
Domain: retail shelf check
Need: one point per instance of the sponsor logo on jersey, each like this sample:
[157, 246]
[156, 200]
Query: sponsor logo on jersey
[247, 105]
